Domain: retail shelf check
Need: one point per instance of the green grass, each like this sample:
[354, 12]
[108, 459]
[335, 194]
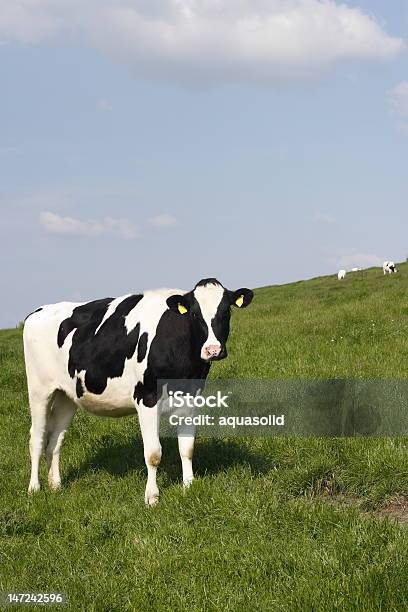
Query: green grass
[261, 528]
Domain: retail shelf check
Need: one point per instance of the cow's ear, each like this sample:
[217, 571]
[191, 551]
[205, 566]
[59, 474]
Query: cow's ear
[241, 297]
[179, 303]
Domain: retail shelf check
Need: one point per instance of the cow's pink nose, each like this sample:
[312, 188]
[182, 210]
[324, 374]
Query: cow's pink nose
[212, 350]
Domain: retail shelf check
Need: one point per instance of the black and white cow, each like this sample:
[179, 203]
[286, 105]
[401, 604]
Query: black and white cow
[389, 267]
[107, 355]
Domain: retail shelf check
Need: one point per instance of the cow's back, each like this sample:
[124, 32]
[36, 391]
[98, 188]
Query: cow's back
[97, 351]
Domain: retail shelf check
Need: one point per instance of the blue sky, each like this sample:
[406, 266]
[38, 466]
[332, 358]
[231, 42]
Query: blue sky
[150, 144]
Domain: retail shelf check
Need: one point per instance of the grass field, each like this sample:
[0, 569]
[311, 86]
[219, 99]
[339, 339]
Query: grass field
[269, 524]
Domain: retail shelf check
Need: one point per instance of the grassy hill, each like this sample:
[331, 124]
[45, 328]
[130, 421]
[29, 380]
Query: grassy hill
[269, 524]
[324, 328]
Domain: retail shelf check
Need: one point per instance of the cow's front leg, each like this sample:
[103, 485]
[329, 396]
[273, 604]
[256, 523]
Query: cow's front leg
[149, 427]
[186, 449]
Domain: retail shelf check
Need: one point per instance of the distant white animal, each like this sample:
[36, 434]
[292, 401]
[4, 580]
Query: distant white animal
[389, 267]
[356, 269]
[341, 274]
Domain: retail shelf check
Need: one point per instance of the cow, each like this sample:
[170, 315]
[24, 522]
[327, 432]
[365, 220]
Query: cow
[107, 356]
[389, 267]
[356, 269]
[341, 274]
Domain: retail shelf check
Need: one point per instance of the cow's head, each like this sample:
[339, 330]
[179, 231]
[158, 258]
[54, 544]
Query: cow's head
[209, 308]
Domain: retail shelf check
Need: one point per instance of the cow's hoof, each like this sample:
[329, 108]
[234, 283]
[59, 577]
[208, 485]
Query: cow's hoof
[187, 483]
[152, 500]
[151, 496]
[54, 484]
[33, 487]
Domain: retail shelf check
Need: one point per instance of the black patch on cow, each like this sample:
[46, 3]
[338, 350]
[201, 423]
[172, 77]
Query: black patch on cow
[142, 347]
[174, 354]
[101, 355]
[31, 313]
[128, 304]
[79, 388]
[138, 392]
[90, 313]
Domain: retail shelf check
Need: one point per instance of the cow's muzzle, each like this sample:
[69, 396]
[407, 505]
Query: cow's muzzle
[213, 352]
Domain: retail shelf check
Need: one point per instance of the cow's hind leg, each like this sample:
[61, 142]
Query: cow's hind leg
[61, 415]
[149, 426]
[39, 406]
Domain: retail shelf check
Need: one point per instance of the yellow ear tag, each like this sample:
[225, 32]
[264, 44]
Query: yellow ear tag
[182, 309]
[239, 301]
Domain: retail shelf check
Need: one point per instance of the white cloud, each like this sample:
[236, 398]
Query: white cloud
[206, 40]
[28, 22]
[120, 226]
[163, 220]
[55, 224]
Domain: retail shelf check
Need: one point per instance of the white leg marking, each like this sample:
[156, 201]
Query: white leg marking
[39, 406]
[149, 427]
[62, 413]
[186, 449]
